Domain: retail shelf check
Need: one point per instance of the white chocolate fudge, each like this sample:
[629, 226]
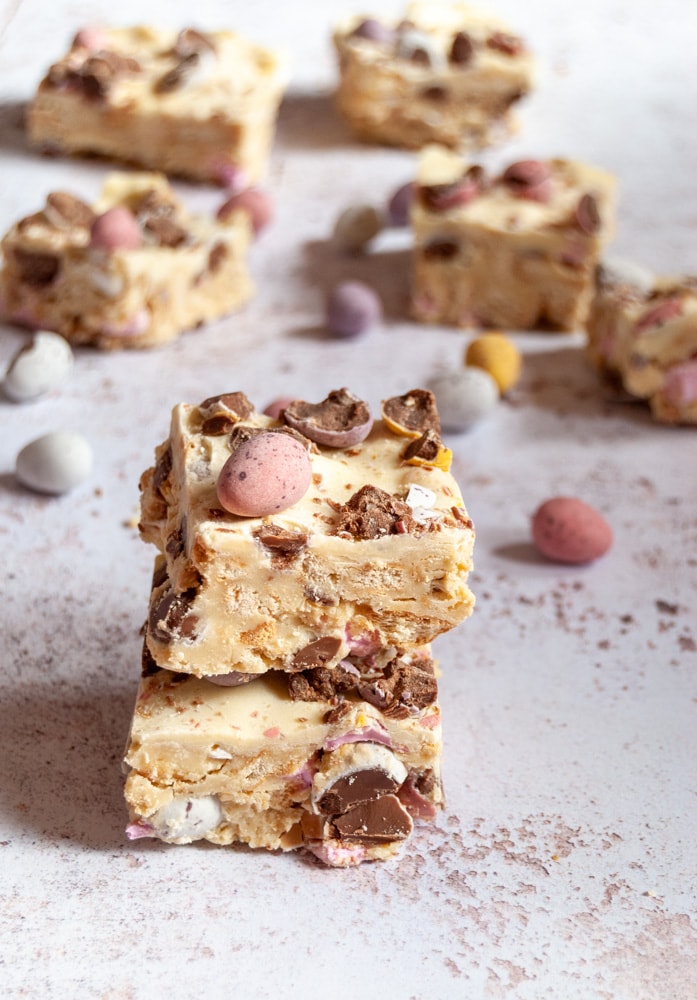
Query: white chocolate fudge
[517, 251]
[133, 270]
[199, 104]
[373, 552]
[261, 764]
[444, 74]
[645, 337]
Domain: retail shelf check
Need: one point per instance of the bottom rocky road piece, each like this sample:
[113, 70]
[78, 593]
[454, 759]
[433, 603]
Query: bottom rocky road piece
[252, 764]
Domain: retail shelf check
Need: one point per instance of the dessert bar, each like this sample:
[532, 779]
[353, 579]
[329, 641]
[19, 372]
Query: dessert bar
[516, 250]
[133, 270]
[645, 337]
[326, 760]
[444, 73]
[199, 104]
[372, 551]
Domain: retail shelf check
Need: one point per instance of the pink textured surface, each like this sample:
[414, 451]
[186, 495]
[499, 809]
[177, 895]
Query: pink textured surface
[563, 865]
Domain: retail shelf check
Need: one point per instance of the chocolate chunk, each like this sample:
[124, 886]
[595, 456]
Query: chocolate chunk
[316, 653]
[163, 467]
[165, 232]
[153, 204]
[524, 175]
[588, 215]
[148, 666]
[425, 447]
[65, 211]
[35, 268]
[462, 49]
[372, 513]
[171, 618]
[179, 74]
[377, 822]
[234, 403]
[339, 421]
[281, 540]
[336, 714]
[216, 256]
[440, 250]
[176, 541]
[413, 413]
[321, 683]
[159, 575]
[240, 434]
[190, 40]
[435, 94]
[97, 74]
[509, 45]
[218, 424]
[352, 789]
[425, 782]
[407, 682]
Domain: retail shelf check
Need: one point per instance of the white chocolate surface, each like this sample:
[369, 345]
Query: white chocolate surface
[563, 864]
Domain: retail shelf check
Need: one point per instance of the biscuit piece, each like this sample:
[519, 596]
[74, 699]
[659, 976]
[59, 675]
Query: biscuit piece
[518, 250]
[199, 104]
[376, 553]
[255, 765]
[444, 74]
[645, 337]
[155, 272]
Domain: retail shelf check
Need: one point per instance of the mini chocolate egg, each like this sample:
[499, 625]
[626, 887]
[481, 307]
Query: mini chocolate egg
[355, 227]
[38, 367]
[464, 397]
[498, 356]
[54, 463]
[568, 530]
[264, 475]
[352, 308]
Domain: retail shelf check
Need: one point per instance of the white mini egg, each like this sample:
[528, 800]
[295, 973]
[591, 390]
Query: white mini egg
[464, 397]
[188, 819]
[38, 367]
[55, 462]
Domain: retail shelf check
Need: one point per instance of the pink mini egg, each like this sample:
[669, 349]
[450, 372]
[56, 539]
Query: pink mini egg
[116, 229]
[256, 203]
[264, 475]
[568, 530]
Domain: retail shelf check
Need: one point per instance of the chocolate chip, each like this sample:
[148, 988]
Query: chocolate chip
[413, 413]
[65, 211]
[97, 74]
[316, 653]
[159, 575]
[171, 618]
[218, 252]
[462, 49]
[148, 665]
[281, 540]
[588, 215]
[339, 421]
[164, 232]
[176, 541]
[509, 45]
[435, 93]
[352, 789]
[526, 173]
[35, 269]
[440, 250]
[372, 513]
[178, 75]
[377, 822]
[163, 467]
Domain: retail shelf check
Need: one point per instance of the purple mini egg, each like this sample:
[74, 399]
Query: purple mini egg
[353, 307]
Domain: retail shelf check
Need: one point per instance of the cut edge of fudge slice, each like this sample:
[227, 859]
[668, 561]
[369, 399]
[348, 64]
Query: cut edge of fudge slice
[135, 269]
[260, 765]
[642, 332]
[375, 553]
[517, 249]
[192, 103]
[443, 73]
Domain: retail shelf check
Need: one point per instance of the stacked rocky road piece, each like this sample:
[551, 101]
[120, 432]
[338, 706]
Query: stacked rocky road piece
[306, 561]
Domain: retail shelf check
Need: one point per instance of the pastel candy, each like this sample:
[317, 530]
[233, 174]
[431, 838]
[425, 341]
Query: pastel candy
[116, 229]
[38, 367]
[264, 475]
[55, 462]
[464, 397]
[496, 354]
[567, 530]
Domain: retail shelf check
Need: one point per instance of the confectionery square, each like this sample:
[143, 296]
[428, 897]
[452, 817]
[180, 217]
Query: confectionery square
[518, 250]
[200, 104]
[133, 270]
[444, 73]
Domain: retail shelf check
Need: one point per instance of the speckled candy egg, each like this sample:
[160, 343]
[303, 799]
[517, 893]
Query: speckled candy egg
[464, 397]
[568, 530]
[268, 473]
[38, 367]
[352, 308]
[498, 356]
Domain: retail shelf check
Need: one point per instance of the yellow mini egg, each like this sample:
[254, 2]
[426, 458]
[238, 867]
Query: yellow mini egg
[497, 355]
